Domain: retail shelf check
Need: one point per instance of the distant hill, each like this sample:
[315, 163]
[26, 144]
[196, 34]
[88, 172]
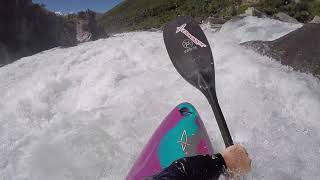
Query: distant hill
[146, 14]
[138, 14]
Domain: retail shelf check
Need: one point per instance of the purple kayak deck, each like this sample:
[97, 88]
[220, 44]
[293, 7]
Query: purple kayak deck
[181, 134]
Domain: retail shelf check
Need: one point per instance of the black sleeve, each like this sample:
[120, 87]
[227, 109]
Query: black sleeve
[202, 167]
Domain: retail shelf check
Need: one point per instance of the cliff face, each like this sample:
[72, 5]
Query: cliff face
[27, 28]
[87, 27]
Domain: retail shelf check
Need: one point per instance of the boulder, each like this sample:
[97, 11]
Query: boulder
[316, 20]
[299, 49]
[216, 20]
[87, 27]
[83, 34]
[251, 11]
[285, 18]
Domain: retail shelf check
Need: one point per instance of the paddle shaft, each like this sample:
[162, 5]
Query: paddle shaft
[206, 85]
[213, 101]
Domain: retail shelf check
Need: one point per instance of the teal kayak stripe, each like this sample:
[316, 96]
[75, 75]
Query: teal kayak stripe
[170, 147]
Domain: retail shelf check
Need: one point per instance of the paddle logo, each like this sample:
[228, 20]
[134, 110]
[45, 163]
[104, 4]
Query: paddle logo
[187, 44]
[190, 36]
[184, 141]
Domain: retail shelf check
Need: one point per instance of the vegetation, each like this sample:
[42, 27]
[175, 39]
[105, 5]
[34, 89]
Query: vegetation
[146, 14]
[303, 11]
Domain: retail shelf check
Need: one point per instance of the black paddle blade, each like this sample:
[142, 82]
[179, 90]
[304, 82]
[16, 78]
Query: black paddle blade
[191, 55]
[189, 51]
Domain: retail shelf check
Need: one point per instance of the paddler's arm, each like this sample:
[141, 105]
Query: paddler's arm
[196, 167]
[207, 167]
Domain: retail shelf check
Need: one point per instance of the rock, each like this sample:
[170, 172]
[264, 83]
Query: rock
[83, 34]
[251, 11]
[153, 30]
[216, 23]
[316, 20]
[67, 36]
[216, 26]
[236, 18]
[87, 28]
[285, 18]
[261, 47]
[299, 49]
[216, 20]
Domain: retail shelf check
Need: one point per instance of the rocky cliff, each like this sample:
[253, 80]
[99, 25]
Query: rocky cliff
[27, 28]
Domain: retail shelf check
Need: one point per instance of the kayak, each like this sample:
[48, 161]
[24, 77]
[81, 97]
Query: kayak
[181, 134]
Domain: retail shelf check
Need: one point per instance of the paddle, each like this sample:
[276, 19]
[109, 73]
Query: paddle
[191, 55]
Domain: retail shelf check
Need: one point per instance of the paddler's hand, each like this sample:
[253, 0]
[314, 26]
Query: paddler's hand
[237, 159]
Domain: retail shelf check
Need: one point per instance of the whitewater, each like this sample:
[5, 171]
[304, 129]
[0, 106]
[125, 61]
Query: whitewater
[86, 112]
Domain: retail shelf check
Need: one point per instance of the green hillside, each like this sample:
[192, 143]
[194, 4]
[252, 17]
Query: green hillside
[146, 14]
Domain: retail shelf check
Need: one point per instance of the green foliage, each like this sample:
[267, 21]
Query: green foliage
[139, 14]
[315, 8]
[303, 11]
[243, 7]
[224, 7]
[146, 14]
